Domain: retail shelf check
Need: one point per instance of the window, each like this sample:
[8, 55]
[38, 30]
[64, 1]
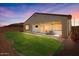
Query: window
[57, 26]
[27, 27]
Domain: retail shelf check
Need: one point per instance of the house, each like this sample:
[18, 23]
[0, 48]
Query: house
[12, 27]
[53, 24]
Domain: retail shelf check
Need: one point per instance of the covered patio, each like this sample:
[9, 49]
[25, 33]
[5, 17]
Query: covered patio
[49, 28]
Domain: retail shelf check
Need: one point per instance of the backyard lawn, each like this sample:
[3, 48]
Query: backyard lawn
[34, 45]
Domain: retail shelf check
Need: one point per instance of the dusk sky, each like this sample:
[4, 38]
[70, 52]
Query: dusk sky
[15, 13]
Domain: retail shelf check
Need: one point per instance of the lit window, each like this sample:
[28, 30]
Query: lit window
[27, 27]
[57, 26]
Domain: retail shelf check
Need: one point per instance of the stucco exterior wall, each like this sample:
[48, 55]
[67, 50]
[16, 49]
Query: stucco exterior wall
[39, 18]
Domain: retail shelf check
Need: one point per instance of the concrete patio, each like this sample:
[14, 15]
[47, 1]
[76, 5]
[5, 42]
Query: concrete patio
[71, 48]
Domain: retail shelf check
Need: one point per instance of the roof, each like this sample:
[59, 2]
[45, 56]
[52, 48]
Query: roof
[63, 15]
[53, 14]
[14, 25]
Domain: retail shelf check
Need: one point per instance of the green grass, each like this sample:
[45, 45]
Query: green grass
[33, 45]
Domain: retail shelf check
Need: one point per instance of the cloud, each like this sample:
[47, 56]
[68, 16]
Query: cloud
[21, 13]
[6, 12]
[76, 13]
